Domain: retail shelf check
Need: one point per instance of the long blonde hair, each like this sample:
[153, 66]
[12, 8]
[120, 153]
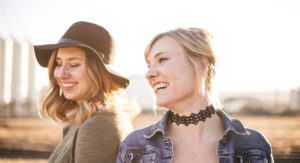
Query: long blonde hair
[101, 97]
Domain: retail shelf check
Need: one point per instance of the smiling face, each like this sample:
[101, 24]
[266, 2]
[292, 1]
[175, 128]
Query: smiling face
[171, 76]
[70, 72]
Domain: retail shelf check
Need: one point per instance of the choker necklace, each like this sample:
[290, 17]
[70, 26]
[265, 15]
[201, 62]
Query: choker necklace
[193, 118]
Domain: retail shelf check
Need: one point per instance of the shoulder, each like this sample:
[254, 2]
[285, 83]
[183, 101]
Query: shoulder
[108, 123]
[98, 139]
[98, 132]
[97, 124]
[254, 139]
[258, 137]
[108, 117]
[140, 133]
[138, 137]
[151, 134]
[241, 137]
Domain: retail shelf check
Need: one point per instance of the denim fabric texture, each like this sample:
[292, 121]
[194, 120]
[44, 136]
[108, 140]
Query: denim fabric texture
[239, 144]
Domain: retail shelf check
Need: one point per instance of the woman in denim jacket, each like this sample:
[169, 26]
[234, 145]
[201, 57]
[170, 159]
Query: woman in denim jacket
[181, 66]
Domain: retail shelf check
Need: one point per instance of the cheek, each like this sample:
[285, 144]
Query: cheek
[80, 73]
[55, 74]
[185, 80]
[83, 76]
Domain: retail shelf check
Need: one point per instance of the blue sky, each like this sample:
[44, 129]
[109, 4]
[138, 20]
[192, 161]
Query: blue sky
[256, 41]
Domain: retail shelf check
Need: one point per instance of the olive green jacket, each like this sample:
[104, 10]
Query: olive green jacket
[96, 140]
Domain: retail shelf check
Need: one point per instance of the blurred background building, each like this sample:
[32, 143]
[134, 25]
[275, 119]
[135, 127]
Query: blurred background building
[257, 51]
[20, 93]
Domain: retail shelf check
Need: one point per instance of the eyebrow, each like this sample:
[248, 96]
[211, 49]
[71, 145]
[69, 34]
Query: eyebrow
[157, 55]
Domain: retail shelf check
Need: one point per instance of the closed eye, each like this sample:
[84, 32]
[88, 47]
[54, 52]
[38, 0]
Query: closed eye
[161, 60]
[74, 65]
[57, 64]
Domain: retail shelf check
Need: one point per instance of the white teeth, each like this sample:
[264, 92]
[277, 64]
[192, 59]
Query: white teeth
[158, 86]
[67, 85]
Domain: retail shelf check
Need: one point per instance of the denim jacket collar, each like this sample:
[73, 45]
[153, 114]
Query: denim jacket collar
[159, 128]
[230, 125]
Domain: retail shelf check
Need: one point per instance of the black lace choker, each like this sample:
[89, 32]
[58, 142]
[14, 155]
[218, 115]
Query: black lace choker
[193, 118]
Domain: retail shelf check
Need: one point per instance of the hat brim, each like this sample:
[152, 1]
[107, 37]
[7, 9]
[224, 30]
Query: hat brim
[43, 53]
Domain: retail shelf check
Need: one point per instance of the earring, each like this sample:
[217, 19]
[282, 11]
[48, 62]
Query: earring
[60, 92]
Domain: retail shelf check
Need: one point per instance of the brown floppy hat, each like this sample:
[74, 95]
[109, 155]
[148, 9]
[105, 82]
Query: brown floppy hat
[88, 36]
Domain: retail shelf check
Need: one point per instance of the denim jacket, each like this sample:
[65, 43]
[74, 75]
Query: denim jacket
[239, 144]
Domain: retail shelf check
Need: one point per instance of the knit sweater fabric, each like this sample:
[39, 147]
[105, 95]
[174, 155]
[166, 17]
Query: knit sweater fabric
[96, 140]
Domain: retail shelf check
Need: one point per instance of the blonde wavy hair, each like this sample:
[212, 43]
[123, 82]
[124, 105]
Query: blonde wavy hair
[101, 96]
[197, 44]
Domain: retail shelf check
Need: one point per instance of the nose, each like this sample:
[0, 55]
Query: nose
[62, 72]
[151, 73]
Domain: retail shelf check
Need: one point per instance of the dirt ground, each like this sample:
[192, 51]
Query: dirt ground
[35, 134]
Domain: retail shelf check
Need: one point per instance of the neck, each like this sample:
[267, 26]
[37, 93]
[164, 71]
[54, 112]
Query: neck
[191, 132]
[193, 105]
[210, 126]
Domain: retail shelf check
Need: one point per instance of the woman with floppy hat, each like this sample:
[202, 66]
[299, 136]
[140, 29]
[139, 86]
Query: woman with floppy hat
[82, 94]
[181, 66]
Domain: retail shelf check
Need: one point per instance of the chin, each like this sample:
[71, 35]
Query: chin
[72, 99]
[161, 104]
[69, 97]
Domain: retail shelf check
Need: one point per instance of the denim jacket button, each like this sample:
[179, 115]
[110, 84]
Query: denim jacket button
[167, 141]
[224, 140]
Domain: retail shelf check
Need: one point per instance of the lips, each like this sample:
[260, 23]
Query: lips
[159, 86]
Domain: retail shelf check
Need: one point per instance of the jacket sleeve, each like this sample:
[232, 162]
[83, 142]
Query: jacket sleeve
[270, 158]
[269, 154]
[268, 148]
[119, 156]
[98, 140]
